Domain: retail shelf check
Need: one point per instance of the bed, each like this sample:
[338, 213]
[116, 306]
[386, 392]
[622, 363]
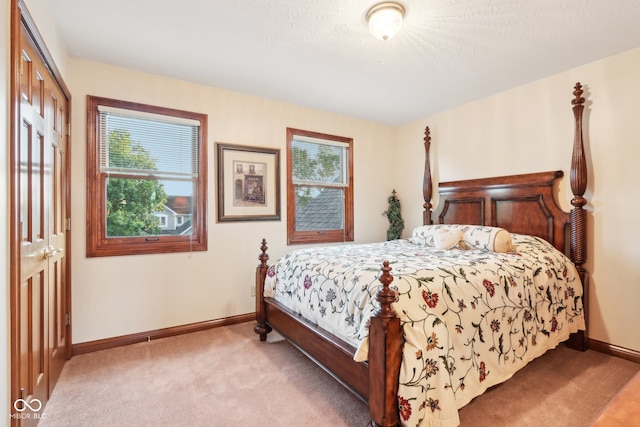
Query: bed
[417, 364]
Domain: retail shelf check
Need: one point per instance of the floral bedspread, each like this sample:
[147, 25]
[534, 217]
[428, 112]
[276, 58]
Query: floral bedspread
[470, 318]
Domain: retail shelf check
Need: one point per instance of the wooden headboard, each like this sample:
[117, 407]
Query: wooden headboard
[524, 204]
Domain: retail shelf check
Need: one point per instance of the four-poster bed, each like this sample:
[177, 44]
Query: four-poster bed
[522, 204]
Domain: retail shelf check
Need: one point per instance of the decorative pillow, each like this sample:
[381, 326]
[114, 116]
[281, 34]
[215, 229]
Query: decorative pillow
[447, 238]
[494, 239]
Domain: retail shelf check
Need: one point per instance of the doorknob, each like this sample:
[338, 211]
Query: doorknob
[51, 251]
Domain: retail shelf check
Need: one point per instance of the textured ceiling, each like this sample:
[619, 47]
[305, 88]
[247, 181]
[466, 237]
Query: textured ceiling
[319, 53]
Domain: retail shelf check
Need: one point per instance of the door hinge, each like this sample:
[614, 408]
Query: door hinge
[67, 224]
[68, 129]
[67, 319]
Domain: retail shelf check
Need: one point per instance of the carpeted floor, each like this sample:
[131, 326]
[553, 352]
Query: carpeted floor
[227, 377]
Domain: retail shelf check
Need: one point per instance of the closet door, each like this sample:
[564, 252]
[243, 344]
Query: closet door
[42, 288]
[33, 183]
[59, 223]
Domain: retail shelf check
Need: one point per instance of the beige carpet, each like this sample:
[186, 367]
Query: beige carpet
[227, 377]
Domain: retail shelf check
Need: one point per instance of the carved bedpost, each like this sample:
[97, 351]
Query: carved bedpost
[578, 214]
[427, 184]
[385, 355]
[261, 273]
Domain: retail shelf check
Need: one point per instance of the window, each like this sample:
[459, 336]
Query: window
[319, 187]
[163, 220]
[143, 162]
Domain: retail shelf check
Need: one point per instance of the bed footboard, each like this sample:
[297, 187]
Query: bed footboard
[375, 381]
[385, 356]
[261, 328]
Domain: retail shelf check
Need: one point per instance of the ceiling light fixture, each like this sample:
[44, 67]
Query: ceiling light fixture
[385, 19]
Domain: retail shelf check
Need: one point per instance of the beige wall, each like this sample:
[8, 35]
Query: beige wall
[123, 295]
[530, 129]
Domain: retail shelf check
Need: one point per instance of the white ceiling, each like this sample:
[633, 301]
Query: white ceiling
[319, 53]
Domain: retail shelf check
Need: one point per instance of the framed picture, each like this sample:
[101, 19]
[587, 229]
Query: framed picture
[248, 183]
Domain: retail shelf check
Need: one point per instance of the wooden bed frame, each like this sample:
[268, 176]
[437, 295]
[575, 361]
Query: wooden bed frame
[522, 204]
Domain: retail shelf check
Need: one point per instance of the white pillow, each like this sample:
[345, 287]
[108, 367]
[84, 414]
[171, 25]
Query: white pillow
[494, 239]
[447, 238]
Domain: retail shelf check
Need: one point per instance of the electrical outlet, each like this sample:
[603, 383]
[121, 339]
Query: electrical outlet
[253, 290]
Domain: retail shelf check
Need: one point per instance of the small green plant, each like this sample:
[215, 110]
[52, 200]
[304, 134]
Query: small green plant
[396, 223]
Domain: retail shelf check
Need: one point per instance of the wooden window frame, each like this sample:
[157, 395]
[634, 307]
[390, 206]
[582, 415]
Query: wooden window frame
[319, 236]
[97, 243]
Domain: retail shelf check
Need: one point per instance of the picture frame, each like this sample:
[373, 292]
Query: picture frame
[248, 183]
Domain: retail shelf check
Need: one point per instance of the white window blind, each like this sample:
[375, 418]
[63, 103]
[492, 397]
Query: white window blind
[319, 162]
[171, 143]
